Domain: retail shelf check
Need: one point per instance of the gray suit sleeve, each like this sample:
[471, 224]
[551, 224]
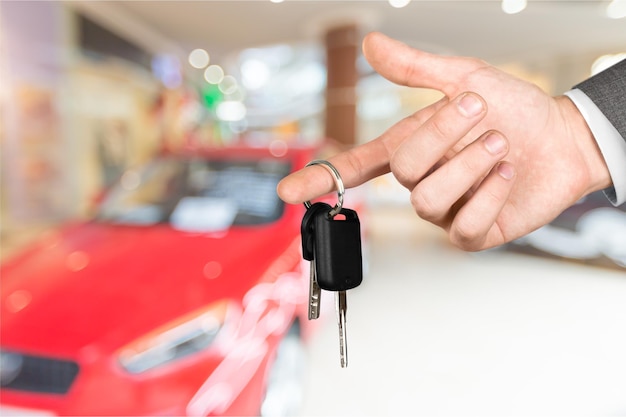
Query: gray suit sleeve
[607, 90]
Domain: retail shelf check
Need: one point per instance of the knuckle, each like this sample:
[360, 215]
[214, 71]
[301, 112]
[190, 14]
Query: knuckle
[425, 204]
[493, 194]
[473, 64]
[438, 129]
[493, 198]
[466, 235]
[402, 169]
[470, 165]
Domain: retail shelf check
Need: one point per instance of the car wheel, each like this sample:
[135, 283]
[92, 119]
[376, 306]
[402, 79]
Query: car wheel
[285, 385]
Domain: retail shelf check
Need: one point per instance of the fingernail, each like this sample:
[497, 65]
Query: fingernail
[495, 143]
[470, 105]
[506, 171]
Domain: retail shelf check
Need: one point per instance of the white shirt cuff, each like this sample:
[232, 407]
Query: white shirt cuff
[611, 144]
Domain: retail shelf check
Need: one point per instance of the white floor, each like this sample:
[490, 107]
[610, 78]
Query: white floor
[434, 331]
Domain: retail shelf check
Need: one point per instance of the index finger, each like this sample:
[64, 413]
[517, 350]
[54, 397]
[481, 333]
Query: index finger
[357, 165]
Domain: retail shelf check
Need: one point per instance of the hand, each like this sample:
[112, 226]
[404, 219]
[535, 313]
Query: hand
[450, 155]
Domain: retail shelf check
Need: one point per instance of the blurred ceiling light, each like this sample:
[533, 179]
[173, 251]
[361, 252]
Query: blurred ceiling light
[199, 58]
[616, 9]
[214, 74]
[228, 85]
[606, 61]
[231, 111]
[398, 4]
[255, 74]
[513, 6]
[277, 1]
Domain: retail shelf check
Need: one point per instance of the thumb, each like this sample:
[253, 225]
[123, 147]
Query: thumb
[411, 67]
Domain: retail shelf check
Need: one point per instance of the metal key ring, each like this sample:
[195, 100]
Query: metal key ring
[338, 181]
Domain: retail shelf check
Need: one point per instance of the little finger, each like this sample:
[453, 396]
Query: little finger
[475, 226]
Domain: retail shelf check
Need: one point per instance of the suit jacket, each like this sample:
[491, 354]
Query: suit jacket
[607, 90]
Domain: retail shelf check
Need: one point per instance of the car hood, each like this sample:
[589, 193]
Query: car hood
[97, 285]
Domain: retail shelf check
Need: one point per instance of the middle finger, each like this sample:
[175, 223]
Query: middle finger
[432, 140]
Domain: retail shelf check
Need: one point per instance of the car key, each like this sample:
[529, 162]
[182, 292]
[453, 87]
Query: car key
[338, 259]
[308, 253]
[333, 245]
[338, 263]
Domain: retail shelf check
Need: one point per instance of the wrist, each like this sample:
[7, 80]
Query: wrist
[581, 135]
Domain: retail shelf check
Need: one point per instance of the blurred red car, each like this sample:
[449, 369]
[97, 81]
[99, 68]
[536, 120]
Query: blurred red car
[185, 295]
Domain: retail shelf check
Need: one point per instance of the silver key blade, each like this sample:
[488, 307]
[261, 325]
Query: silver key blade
[341, 304]
[315, 294]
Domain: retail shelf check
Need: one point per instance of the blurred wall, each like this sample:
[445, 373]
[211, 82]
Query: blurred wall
[34, 149]
[71, 122]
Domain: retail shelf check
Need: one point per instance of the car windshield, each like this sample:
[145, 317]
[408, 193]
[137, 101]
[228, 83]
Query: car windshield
[200, 195]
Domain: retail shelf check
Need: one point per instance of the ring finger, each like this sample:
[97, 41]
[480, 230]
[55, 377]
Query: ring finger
[434, 196]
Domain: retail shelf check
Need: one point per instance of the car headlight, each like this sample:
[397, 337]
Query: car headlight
[183, 337]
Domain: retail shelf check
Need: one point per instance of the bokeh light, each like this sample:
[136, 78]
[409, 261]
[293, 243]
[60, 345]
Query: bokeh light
[214, 74]
[199, 58]
[228, 85]
[231, 111]
[513, 6]
[616, 9]
[398, 4]
[255, 74]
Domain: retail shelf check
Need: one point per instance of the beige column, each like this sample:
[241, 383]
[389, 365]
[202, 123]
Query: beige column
[342, 45]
